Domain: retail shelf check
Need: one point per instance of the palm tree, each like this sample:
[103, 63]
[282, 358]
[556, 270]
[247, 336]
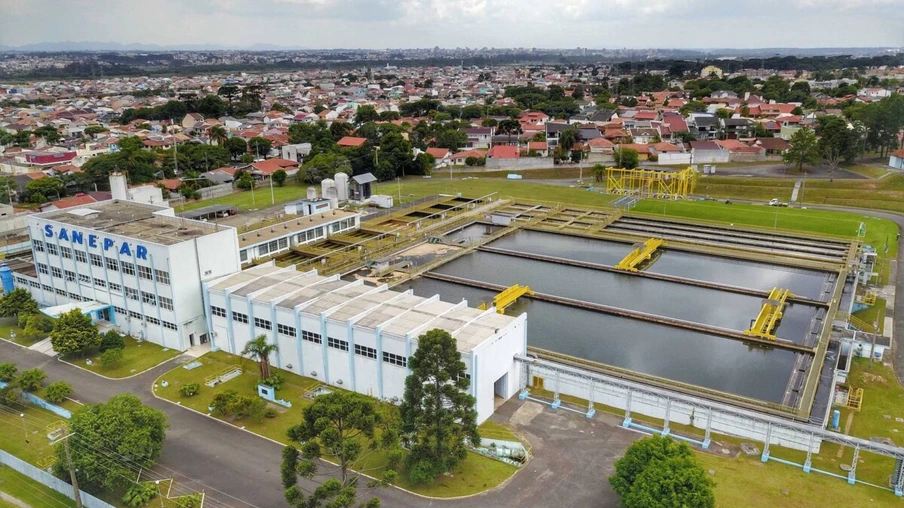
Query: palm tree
[218, 134]
[258, 349]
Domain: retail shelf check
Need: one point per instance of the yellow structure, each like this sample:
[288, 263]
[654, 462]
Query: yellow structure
[711, 70]
[651, 183]
[506, 298]
[770, 314]
[869, 298]
[642, 252]
[855, 398]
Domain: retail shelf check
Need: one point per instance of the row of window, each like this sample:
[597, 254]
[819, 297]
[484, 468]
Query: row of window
[130, 293]
[262, 323]
[145, 272]
[149, 319]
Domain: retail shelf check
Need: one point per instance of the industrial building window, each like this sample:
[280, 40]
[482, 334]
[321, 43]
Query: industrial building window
[112, 264]
[218, 311]
[311, 337]
[153, 320]
[81, 256]
[162, 276]
[115, 287]
[47, 287]
[34, 284]
[365, 351]
[283, 243]
[66, 252]
[262, 323]
[120, 310]
[74, 296]
[145, 272]
[61, 292]
[96, 260]
[238, 316]
[273, 246]
[39, 245]
[166, 303]
[243, 255]
[394, 359]
[42, 268]
[150, 298]
[334, 227]
[131, 294]
[100, 283]
[135, 315]
[336, 343]
[128, 268]
[52, 249]
[169, 325]
[70, 276]
[285, 330]
[84, 278]
[56, 272]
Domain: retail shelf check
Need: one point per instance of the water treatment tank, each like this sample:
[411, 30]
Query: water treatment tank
[325, 185]
[312, 192]
[332, 194]
[342, 186]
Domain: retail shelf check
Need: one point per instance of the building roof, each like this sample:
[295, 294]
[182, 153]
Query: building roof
[271, 166]
[469, 153]
[290, 227]
[503, 152]
[351, 141]
[149, 223]
[898, 153]
[364, 178]
[704, 145]
[773, 144]
[438, 153]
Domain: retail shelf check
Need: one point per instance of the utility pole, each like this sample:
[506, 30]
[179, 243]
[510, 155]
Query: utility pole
[75, 490]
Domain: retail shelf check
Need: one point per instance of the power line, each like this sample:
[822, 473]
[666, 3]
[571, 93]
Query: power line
[38, 493]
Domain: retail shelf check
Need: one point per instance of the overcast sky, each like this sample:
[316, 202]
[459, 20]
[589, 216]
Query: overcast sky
[459, 23]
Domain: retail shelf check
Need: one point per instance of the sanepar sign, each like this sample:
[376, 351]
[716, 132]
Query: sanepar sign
[94, 241]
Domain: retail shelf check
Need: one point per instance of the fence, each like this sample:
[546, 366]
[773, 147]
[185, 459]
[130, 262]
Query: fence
[45, 478]
[38, 401]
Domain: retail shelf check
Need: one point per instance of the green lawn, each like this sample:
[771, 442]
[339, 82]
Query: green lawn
[493, 430]
[244, 200]
[874, 314]
[762, 189]
[475, 474]
[8, 326]
[29, 491]
[526, 191]
[841, 224]
[137, 358]
[866, 170]
[15, 431]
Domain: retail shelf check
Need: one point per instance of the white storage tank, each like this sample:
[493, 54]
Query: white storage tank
[312, 192]
[325, 185]
[332, 194]
[342, 186]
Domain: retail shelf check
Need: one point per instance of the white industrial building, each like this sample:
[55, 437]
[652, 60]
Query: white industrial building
[139, 263]
[360, 337]
[278, 238]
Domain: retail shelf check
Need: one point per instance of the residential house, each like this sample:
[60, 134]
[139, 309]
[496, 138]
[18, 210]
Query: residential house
[773, 146]
[707, 152]
[645, 135]
[459, 158]
[193, 122]
[705, 127]
[265, 168]
[480, 137]
[896, 159]
[541, 148]
[735, 128]
[533, 118]
[351, 141]
[643, 150]
[553, 130]
[503, 152]
[443, 156]
[601, 146]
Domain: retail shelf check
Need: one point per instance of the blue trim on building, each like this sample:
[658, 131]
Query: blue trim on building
[208, 317]
[323, 348]
[274, 329]
[157, 293]
[227, 300]
[298, 341]
[378, 338]
[350, 335]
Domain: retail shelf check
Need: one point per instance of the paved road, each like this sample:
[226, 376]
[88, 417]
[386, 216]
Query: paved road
[572, 455]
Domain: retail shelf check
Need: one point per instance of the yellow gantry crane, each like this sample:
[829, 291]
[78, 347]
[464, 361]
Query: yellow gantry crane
[651, 183]
[642, 252]
[766, 321]
[507, 297]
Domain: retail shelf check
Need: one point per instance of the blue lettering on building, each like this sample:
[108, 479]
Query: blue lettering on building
[125, 248]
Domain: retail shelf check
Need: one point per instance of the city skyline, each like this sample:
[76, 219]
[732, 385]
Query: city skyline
[316, 24]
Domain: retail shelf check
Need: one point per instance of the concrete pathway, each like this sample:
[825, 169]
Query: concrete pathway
[44, 347]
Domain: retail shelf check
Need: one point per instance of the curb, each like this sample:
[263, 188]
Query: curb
[422, 496]
[119, 378]
[14, 343]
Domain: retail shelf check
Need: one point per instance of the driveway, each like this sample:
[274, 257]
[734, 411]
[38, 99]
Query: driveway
[572, 456]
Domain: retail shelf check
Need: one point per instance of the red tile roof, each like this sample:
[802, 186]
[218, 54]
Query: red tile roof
[439, 153]
[351, 141]
[664, 147]
[272, 165]
[503, 152]
[898, 153]
[469, 153]
[537, 145]
[171, 183]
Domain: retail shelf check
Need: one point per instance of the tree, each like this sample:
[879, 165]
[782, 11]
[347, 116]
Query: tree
[837, 142]
[31, 379]
[568, 138]
[279, 177]
[339, 130]
[804, 149]
[438, 414]
[236, 146]
[18, 301]
[212, 106]
[48, 186]
[101, 435]
[49, 133]
[657, 472]
[366, 114]
[93, 130]
[8, 371]
[322, 166]
[73, 333]
[509, 127]
[111, 358]
[260, 146]
[219, 135]
[627, 158]
[259, 350]
[36, 325]
[112, 340]
[395, 155]
[57, 392]
[453, 139]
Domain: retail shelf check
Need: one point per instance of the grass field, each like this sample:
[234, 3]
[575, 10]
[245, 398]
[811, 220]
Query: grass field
[30, 492]
[475, 474]
[866, 170]
[245, 200]
[874, 315]
[412, 190]
[9, 326]
[137, 357]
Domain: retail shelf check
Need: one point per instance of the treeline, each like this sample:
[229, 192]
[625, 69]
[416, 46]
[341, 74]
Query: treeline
[230, 100]
[679, 67]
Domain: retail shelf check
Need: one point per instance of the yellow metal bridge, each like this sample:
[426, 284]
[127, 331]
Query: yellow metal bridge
[642, 252]
[651, 183]
[507, 297]
[765, 323]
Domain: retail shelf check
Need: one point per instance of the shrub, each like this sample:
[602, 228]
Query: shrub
[190, 390]
[248, 405]
[58, 391]
[31, 379]
[37, 325]
[222, 402]
[8, 371]
[189, 501]
[112, 340]
[10, 395]
[110, 358]
[275, 380]
[140, 495]
[270, 413]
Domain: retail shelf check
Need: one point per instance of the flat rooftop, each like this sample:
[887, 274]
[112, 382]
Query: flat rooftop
[396, 313]
[290, 227]
[134, 220]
